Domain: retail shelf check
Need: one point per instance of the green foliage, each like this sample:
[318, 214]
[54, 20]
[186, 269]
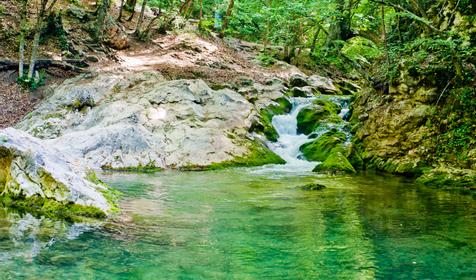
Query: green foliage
[34, 83]
[265, 59]
[361, 50]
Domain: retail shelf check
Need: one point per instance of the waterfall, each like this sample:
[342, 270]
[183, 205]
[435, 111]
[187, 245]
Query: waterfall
[289, 140]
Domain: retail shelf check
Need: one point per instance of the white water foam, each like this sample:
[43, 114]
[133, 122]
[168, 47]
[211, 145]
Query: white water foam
[289, 140]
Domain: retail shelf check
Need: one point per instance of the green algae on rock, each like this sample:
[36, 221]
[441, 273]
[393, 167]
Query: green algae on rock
[321, 112]
[312, 187]
[257, 155]
[265, 126]
[36, 175]
[321, 148]
[335, 163]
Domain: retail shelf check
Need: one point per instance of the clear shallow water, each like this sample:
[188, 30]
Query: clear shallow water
[253, 224]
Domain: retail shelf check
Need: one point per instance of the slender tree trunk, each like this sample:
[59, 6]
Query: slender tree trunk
[314, 40]
[384, 33]
[184, 6]
[36, 39]
[335, 29]
[119, 18]
[187, 11]
[227, 17]
[141, 17]
[131, 5]
[23, 26]
[201, 15]
[101, 18]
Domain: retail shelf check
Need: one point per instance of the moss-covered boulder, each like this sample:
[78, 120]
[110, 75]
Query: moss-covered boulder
[264, 125]
[37, 177]
[321, 148]
[258, 154]
[321, 112]
[449, 177]
[336, 163]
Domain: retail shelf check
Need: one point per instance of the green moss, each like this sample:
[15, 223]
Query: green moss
[6, 158]
[320, 149]
[149, 168]
[321, 112]
[356, 159]
[449, 179]
[335, 163]
[312, 187]
[265, 125]
[257, 155]
[110, 194]
[49, 208]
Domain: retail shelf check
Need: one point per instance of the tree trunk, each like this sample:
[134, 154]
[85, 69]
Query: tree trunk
[201, 15]
[119, 18]
[23, 27]
[101, 17]
[131, 6]
[36, 39]
[141, 17]
[227, 16]
[335, 31]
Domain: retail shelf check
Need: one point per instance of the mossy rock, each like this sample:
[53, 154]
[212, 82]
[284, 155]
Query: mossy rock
[322, 111]
[50, 208]
[336, 163]
[257, 155]
[321, 148]
[265, 126]
[312, 187]
[442, 177]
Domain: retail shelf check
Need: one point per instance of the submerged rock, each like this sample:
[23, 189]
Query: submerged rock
[335, 163]
[36, 174]
[139, 120]
[312, 187]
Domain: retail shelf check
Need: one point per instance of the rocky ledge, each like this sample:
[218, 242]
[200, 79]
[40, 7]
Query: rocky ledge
[140, 121]
[37, 176]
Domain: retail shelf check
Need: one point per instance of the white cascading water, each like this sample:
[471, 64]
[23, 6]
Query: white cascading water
[289, 140]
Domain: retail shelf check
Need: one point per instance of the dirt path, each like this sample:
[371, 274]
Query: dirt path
[189, 56]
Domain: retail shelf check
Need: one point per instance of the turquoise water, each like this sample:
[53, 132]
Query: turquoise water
[253, 224]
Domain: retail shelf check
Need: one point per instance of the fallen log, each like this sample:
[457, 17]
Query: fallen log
[74, 65]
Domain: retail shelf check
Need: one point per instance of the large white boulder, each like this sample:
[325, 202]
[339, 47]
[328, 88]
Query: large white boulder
[137, 120]
[30, 167]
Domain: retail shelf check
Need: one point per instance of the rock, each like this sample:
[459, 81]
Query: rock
[449, 177]
[298, 80]
[140, 121]
[116, 37]
[323, 84]
[322, 112]
[92, 58]
[264, 124]
[306, 91]
[336, 163]
[322, 147]
[312, 187]
[37, 172]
